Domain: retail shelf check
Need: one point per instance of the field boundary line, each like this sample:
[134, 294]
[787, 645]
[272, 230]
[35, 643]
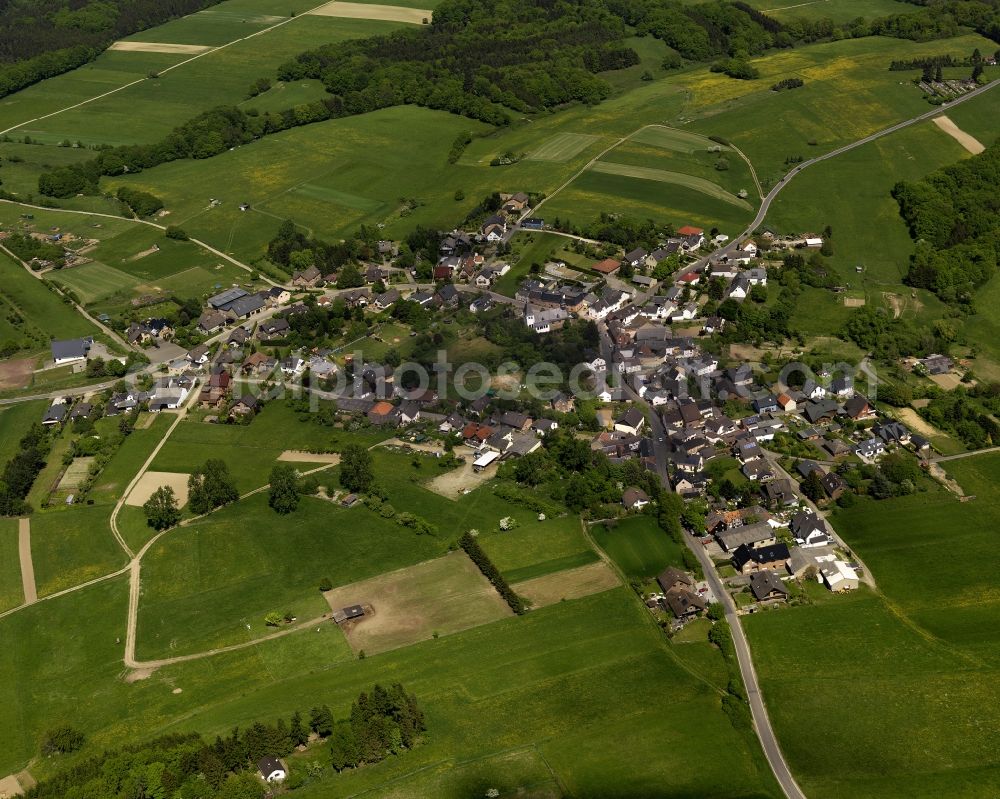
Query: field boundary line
[160, 72]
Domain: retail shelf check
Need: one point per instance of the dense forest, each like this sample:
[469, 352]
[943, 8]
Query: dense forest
[382, 723]
[42, 38]
[954, 214]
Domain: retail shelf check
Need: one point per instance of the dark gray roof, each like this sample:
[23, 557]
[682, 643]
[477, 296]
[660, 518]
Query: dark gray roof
[224, 299]
[245, 306]
[71, 348]
[765, 582]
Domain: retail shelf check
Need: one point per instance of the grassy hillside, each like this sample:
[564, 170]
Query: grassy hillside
[919, 658]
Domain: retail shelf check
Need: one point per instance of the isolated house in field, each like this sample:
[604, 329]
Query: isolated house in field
[271, 770]
[69, 350]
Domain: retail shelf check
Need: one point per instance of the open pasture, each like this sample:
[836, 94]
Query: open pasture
[212, 582]
[568, 584]
[676, 178]
[638, 546]
[437, 597]
[849, 93]
[676, 140]
[95, 281]
[11, 591]
[594, 193]
[412, 16]
[151, 108]
[922, 658]
[562, 147]
[839, 11]
[852, 193]
[512, 704]
[72, 545]
[534, 548]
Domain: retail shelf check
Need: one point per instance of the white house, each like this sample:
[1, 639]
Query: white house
[271, 770]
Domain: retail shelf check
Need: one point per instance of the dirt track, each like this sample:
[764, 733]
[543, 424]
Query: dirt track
[970, 143]
[27, 566]
[159, 47]
[416, 16]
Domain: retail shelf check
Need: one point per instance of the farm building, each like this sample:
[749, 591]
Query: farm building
[350, 613]
[485, 460]
[74, 349]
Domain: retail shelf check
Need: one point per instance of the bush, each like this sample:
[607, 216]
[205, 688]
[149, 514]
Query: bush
[61, 741]
[176, 233]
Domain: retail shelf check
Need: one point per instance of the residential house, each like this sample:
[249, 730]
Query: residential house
[198, 356]
[871, 449]
[307, 278]
[937, 364]
[271, 770]
[766, 586]
[387, 299]
[543, 427]
[55, 414]
[607, 267]
[635, 498]
[810, 530]
[246, 405]
[632, 421]
[494, 228]
[756, 534]
[781, 492]
[259, 364]
[273, 329]
[693, 237]
[838, 575]
[834, 485]
[516, 203]
[82, 410]
[747, 559]
[858, 407]
[891, 431]
[69, 350]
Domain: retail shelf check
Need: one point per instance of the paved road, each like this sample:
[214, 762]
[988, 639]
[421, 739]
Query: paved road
[781, 184]
[761, 721]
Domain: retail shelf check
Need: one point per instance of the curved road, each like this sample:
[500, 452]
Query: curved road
[776, 189]
[761, 722]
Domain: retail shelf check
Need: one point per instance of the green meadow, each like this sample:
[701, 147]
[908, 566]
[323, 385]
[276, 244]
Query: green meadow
[41, 314]
[638, 546]
[839, 11]
[849, 93]
[11, 592]
[905, 681]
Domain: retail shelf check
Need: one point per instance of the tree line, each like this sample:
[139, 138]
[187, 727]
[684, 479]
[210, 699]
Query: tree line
[478, 556]
[20, 471]
[43, 38]
[382, 723]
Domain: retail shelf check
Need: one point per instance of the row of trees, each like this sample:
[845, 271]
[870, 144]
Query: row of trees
[478, 556]
[20, 471]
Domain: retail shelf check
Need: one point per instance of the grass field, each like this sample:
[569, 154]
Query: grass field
[535, 548]
[852, 193]
[14, 423]
[42, 314]
[639, 547]
[556, 701]
[848, 94]
[11, 592]
[562, 147]
[677, 178]
[839, 11]
[72, 545]
[438, 597]
[921, 659]
[530, 248]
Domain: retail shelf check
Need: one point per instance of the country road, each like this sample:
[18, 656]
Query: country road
[769, 198]
[761, 721]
